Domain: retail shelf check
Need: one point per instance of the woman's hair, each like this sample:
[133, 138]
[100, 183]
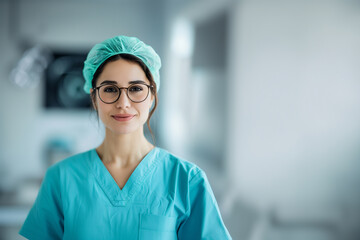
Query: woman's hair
[130, 58]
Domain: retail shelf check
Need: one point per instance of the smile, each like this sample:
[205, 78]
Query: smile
[123, 117]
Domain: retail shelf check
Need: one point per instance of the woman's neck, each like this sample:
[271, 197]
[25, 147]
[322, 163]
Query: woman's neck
[123, 150]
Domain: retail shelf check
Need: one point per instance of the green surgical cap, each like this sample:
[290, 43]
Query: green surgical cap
[117, 45]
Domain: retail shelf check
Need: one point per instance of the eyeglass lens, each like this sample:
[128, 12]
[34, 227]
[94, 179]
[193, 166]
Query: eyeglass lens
[135, 92]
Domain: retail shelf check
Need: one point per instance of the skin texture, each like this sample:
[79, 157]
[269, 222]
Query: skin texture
[124, 145]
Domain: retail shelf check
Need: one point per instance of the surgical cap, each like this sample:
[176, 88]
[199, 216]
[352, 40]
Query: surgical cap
[118, 45]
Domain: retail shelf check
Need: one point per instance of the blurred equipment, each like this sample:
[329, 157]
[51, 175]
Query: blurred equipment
[58, 148]
[30, 68]
[64, 82]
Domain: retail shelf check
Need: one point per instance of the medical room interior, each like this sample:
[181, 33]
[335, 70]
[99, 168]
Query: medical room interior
[262, 95]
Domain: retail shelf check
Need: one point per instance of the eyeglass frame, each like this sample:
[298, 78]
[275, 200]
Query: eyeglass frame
[127, 91]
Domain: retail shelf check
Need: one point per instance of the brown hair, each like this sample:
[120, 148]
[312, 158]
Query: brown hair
[130, 58]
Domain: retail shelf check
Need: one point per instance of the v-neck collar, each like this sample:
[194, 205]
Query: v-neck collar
[117, 196]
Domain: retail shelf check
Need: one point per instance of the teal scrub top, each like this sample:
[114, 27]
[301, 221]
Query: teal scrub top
[164, 198]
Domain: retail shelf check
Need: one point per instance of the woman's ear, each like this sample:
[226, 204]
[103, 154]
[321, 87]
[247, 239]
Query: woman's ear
[92, 97]
[152, 98]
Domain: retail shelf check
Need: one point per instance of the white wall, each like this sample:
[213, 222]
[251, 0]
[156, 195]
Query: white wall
[81, 24]
[294, 102]
[62, 25]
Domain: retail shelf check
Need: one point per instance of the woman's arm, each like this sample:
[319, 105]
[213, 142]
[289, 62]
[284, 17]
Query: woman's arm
[204, 220]
[45, 219]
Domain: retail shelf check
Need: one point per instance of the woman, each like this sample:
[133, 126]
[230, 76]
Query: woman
[126, 188]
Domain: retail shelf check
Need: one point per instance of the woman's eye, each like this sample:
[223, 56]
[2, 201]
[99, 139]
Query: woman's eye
[110, 89]
[136, 88]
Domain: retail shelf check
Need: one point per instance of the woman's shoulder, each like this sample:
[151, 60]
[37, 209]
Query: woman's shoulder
[173, 162]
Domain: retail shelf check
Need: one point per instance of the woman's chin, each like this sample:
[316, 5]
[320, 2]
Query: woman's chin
[124, 130]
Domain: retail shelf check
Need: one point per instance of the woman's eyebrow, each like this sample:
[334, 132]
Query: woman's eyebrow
[115, 83]
[137, 81]
[108, 82]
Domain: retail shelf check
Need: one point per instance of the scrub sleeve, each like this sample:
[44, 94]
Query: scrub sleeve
[204, 220]
[45, 219]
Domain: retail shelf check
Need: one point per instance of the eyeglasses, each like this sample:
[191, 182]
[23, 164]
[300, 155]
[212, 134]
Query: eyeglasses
[137, 92]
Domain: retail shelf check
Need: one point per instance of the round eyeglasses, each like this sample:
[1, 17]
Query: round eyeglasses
[137, 92]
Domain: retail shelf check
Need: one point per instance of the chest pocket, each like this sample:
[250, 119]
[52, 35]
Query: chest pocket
[157, 227]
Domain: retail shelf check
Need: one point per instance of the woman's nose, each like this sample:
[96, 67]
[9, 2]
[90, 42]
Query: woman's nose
[123, 101]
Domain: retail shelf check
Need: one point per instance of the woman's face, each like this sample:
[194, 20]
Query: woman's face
[123, 116]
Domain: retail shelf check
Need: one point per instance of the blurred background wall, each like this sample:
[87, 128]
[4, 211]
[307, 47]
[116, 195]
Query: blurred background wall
[263, 95]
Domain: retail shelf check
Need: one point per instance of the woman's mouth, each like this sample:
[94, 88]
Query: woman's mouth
[123, 117]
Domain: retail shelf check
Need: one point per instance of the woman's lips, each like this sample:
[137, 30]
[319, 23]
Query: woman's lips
[123, 117]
